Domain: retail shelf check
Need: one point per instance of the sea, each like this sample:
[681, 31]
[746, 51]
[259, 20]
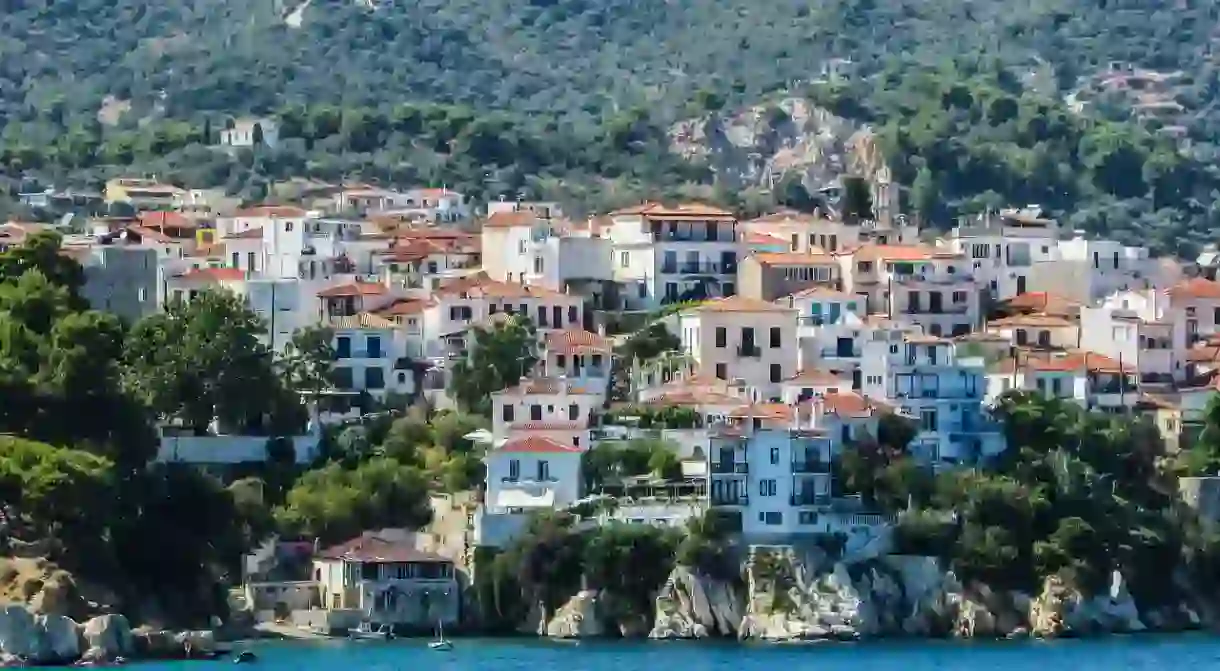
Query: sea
[1189, 652]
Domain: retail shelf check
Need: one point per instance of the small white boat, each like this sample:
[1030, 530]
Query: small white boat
[440, 643]
[366, 632]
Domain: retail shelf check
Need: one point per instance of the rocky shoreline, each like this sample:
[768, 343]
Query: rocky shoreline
[29, 639]
[786, 598]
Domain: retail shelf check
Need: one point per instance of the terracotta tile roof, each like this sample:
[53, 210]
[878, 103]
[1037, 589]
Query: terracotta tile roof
[1043, 302]
[816, 377]
[510, 219]
[693, 397]
[404, 306]
[434, 193]
[361, 320]
[765, 411]
[653, 210]
[740, 304]
[783, 216]
[851, 405]
[1077, 361]
[548, 426]
[536, 444]
[372, 548]
[1203, 354]
[875, 252]
[354, 289]
[795, 259]
[161, 220]
[214, 274]
[146, 233]
[255, 233]
[1034, 320]
[575, 341]
[756, 238]
[272, 212]
[1195, 287]
[480, 286]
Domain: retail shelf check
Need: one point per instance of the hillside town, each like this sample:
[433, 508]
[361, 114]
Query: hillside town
[789, 337]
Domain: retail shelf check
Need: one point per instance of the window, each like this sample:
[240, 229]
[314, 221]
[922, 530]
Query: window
[927, 420]
[514, 470]
[573, 314]
[236, 259]
[774, 456]
[1022, 337]
[643, 290]
[1216, 315]
[542, 316]
[507, 412]
[777, 372]
[722, 337]
[536, 413]
[808, 517]
[775, 337]
[722, 371]
[624, 259]
[402, 378]
[142, 295]
[959, 296]
[250, 261]
[374, 378]
[766, 487]
[544, 471]
[771, 519]
[343, 378]
[374, 346]
[573, 412]
[287, 226]
[343, 347]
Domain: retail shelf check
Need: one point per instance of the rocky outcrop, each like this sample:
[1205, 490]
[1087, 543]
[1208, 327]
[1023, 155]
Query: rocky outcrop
[1061, 609]
[107, 637]
[38, 639]
[580, 617]
[691, 605]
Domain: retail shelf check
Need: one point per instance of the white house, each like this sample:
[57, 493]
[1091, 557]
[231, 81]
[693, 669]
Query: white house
[1004, 247]
[925, 379]
[370, 356]
[546, 404]
[388, 581]
[247, 132]
[532, 472]
[664, 254]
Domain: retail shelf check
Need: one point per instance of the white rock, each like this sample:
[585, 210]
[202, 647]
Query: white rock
[107, 637]
[578, 618]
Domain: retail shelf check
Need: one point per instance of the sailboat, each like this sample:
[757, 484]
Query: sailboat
[440, 643]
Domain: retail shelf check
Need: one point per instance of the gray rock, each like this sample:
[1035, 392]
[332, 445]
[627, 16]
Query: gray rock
[17, 632]
[107, 637]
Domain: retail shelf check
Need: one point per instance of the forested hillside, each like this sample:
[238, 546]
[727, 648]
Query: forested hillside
[598, 83]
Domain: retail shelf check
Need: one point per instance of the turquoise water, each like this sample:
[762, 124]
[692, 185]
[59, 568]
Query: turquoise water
[1171, 653]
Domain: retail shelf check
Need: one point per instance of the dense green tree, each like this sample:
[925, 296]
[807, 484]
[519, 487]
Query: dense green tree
[335, 503]
[308, 362]
[499, 357]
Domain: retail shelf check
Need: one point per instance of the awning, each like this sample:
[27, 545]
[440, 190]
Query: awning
[517, 498]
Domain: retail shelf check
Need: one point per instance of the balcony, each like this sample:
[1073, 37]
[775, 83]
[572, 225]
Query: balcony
[749, 350]
[809, 499]
[730, 500]
[727, 468]
[810, 466]
[839, 353]
[935, 278]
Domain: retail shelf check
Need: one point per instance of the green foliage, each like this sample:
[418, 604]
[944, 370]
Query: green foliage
[308, 365]
[203, 360]
[1203, 457]
[611, 460]
[499, 357]
[335, 503]
[49, 488]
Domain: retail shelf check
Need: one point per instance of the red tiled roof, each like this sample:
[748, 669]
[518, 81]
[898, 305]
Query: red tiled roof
[850, 404]
[510, 219]
[214, 274]
[369, 547]
[354, 289]
[1033, 320]
[548, 426]
[1195, 287]
[681, 211]
[1043, 302]
[775, 411]
[403, 306]
[536, 444]
[272, 211]
[817, 378]
[576, 340]
[794, 259]
[165, 220]
[740, 304]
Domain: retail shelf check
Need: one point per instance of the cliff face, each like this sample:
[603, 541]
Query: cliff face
[760, 144]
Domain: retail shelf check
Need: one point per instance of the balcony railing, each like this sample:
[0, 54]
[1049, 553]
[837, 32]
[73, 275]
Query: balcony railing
[749, 350]
[724, 467]
[836, 353]
[935, 278]
[803, 499]
[730, 500]
[810, 466]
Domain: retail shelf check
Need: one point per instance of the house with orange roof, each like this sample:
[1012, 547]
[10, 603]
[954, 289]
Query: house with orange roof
[1143, 329]
[742, 340]
[827, 232]
[1199, 301]
[579, 355]
[546, 402]
[1093, 380]
[1087, 269]
[769, 276]
[664, 253]
[142, 193]
[831, 327]
[925, 378]
[370, 355]
[931, 287]
[511, 235]
[1045, 331]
